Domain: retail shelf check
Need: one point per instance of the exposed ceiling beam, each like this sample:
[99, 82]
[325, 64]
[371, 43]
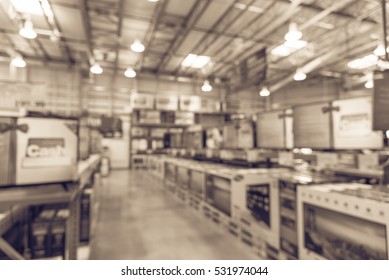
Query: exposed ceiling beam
[197, 11]
[358, 39]
[159, 10]
[119, 33]
[263, 32]
[53, 23]
[87, 29]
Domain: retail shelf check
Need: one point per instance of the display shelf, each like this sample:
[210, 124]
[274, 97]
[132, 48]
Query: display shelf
[10, 217]
[50, 194]
[371, 174]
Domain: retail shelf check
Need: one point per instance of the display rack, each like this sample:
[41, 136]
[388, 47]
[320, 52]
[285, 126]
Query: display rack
[21, 197]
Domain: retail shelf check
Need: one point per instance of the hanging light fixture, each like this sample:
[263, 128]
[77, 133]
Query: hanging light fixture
[27, 31]
[137, 46]
[264, 92]
[370, 82]
[96, 69]
[293, 34]
[380, 49]
[130, 73]
[206, 87]
[18, 61]
[299, 75]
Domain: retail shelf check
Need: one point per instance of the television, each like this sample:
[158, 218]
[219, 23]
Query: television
[170, 172]
[196, 183]
[182, 177]
[343, 222]
[288, 183]
[337, 236]
[258, 201]
[218, 193]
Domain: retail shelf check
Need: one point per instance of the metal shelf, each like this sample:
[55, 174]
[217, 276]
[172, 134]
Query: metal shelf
[49, 194]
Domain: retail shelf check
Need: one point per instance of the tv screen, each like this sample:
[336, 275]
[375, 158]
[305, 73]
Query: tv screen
[258, 201]
[182, 177]
[337, 236]
[218, 193]
[170, 172]
[196, 183]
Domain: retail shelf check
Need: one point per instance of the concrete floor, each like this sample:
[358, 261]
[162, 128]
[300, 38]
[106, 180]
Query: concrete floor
[138, 219]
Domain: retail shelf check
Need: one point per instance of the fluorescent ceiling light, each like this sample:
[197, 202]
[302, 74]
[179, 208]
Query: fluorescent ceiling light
[96, 69]
[195, 61]
[293, 34]
[264, 92]
[300, 75]
[18, 61]
[206, 87]
[137, 46]
[130, 73]
[27, 31]
[31, 7]
[363, 62]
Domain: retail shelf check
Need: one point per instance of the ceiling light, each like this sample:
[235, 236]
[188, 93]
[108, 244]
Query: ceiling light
[130, 73]
[195, 61]
[300, 75]
[380, 50]
[96, 69]
[293, 34]
[153, 0]
[31, 7]
[281, 50]
[206, 86]
[363, 62]
[18, 61]
[296, 44]
[27, 31]
[383, 64]
[264, 92]
[370, 82]
[387, 134]
[137, 46]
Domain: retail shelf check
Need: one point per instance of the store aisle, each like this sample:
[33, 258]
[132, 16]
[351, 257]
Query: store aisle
[138, 219]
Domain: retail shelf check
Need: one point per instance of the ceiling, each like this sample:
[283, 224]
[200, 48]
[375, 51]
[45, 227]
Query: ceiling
[228, 31]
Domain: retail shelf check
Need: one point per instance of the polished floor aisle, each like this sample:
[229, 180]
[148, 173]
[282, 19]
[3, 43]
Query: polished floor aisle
[138, 219]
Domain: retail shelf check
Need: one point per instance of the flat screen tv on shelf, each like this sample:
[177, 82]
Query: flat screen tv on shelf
[218, 193]
[196, 183]
[338, 236]
[343, 221]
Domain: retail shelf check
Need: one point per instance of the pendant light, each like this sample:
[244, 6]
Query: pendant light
[130, 73]
[370, 82]
[264, 92]
[18, 61]
[27, 31]
[137, 46]
[293, 34]
[206, 87]
[299, 75]
[96, 69]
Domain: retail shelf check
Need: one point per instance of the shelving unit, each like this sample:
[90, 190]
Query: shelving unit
[20, 197]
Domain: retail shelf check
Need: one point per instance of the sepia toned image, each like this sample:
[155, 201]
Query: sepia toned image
[194, 130]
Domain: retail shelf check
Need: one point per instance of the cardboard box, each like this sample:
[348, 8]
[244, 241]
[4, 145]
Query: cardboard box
[37, 150]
